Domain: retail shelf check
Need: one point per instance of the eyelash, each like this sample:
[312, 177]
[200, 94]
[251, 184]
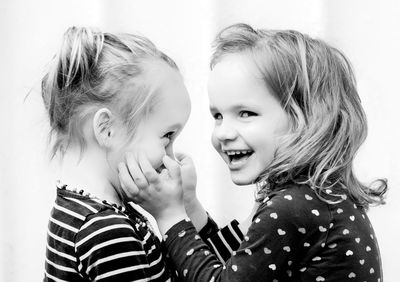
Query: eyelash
[218, 116]
[249, 114]
[169, 135]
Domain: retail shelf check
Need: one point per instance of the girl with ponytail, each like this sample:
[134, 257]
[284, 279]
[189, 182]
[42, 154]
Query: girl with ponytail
[106, 94]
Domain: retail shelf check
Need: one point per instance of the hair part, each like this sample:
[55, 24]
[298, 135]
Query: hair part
[91, 70]
[316, 86]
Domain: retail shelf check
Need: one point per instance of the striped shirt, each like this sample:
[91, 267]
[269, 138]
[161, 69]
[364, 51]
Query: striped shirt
[222, 242]
[91, 240]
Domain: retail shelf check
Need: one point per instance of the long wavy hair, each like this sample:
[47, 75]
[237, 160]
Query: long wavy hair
[315, 85]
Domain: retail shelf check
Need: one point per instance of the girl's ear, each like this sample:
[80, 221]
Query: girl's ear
[103, 127]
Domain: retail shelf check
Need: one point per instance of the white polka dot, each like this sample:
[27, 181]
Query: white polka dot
[185, 271]
[372, 236]
[316, 212]
[308, 197]
[371, 270]
[206, 252]
[322, 229]
[320, 278]
[273, 215]
[352, 217]
[346, 231]
[362, 261]
[344, 197]
[330, 225]
[328, 191]
[286, 249]
[303, 269]
[322, 245]
[339, 210]
[234, 253]
[316, 258]
[363, 216]
[234, 267]
[272, 266]
[352, 275]
[182, 233]
[289, 263]
[349, 253]
[288, 197]
[354, 205]
[248, 251]
[212, 279]
[281, 232]
[368, 248]
[216, 265]
[332, 246]
[190, 252]
[306, 244]
[246, 238]
[257, 220]
[197, 237]
[266, 199]
[357, 240]
[289, 273]
[302, 230]
[267, 251]
[269, 203]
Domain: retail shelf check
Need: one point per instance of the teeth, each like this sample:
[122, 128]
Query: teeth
[232, 153]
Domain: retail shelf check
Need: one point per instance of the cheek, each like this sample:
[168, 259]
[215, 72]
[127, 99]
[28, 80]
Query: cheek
[154, 152]
[214, 141]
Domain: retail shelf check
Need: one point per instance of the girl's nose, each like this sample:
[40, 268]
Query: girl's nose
[225, 131]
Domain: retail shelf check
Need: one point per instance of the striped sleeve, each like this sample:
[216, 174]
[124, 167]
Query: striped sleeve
[223, 242]
[108, 250]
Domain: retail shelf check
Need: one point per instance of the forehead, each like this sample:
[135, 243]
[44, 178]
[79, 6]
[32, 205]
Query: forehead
[236, 80]
[172, 103]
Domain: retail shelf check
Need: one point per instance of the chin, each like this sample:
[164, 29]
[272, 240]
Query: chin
[242, 180]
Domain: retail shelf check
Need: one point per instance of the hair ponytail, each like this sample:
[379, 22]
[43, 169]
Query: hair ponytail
[92, 69]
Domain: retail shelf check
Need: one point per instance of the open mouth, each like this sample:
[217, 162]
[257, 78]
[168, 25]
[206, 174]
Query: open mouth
[238, 156]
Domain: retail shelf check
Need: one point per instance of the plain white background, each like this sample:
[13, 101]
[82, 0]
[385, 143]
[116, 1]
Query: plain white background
[366, 30]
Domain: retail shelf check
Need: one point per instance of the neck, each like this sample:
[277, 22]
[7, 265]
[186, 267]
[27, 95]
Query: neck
[90, 172]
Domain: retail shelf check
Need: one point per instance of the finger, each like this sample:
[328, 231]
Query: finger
[172, 166]
[135, 171]
[185, 160]
[180, 156]
[128, 188]
[148, 171]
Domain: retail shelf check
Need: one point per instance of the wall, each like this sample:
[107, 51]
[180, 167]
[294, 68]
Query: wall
[31, 32]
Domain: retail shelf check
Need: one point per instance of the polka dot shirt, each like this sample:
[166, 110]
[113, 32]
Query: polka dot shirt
[294, 236]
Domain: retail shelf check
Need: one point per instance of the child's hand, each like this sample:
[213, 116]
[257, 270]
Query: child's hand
[159, 194]
[189, 178]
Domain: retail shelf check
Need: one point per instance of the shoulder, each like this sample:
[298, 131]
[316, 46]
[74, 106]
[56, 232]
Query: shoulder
[297, 204]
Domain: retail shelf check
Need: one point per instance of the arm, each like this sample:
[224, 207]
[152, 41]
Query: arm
[264, 254]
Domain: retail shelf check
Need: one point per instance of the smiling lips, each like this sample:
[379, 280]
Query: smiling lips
[237, 158]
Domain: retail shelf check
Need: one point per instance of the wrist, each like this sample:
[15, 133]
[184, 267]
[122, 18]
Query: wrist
[170, 217]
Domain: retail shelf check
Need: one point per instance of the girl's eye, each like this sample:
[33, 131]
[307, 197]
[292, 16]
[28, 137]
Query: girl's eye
[217, 116]
[246, 114]
[169, 135]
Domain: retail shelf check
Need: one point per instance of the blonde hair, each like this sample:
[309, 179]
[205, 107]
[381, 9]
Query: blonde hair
[315, 85]
[94, 69]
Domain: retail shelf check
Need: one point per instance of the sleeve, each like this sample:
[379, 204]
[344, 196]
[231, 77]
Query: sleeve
[222, 242]
[108, 249]
[265, 254]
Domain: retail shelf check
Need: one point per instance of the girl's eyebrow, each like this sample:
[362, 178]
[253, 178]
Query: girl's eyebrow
[233, 107]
